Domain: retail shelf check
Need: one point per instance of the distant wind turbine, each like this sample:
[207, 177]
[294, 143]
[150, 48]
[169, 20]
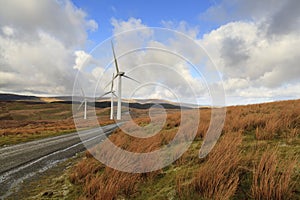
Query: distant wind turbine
[83, 102]
[112, 92]
[119, 74]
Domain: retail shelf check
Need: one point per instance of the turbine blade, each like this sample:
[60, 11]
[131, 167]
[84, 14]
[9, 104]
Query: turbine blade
[80, 105]
[107, 84]
[131, 78]
[82, 91]
[116, 63]
[112, 83]
[114, 94]
[104, 94]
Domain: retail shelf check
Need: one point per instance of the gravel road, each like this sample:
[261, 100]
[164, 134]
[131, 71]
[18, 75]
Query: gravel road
[22, 161]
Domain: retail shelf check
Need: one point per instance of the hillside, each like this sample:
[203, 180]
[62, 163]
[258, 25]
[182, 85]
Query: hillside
[15, 97]
[102, 102]
[257, 157]
[28, 118]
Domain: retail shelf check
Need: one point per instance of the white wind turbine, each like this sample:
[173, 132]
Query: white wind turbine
[112, 92]
[83, 102]
[119, 75]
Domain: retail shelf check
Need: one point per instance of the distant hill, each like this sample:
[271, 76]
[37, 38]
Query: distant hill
[102, 103]
[106, 104]
[15, 97]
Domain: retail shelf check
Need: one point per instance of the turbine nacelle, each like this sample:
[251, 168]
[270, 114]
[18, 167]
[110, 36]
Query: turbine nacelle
[120, 74]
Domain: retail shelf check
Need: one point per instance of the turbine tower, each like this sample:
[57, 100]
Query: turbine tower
[119, 75]
[83, 102]
[112, 92]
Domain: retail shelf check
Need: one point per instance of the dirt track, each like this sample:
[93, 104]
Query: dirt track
[22, 161]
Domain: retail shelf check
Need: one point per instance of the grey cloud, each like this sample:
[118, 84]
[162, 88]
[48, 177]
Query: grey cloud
[262, 45]
[281, 74]
[277, 16]
[234, 52]
[286, 19]
[243, 53]
[235, 10]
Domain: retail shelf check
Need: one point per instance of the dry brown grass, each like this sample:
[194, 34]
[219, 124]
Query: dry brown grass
[84, 170]
[24, 121]
[272, 179]
[9, 127]
[218, 177]
[109, 183]
[100, 182]
[224, 173]
[267, 121]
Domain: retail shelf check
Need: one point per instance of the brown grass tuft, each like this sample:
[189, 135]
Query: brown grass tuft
[218, 177]
[272, 179]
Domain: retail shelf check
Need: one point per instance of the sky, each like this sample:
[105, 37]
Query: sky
[249, 48]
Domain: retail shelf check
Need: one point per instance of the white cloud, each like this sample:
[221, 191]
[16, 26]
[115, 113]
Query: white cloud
[82, 59]
[133, 39]
[38, 44]
[122, 26]
[8, 31]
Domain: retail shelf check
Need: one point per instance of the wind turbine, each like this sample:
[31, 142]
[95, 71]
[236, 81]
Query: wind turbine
[112, 92]
[83, 102]
[119, 75]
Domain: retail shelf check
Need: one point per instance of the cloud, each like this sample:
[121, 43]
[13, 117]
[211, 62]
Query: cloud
[182, 27]
[242, 50]
[227, 11]
[40, 65]
[278, 17]
[38, 40]
[162, 64]
[233, 51]
[253, 94]
[120, 26]
[61, 19]
[133, 38]
[82, 59]
[7, 31]
[258, 53]
[286, 19]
